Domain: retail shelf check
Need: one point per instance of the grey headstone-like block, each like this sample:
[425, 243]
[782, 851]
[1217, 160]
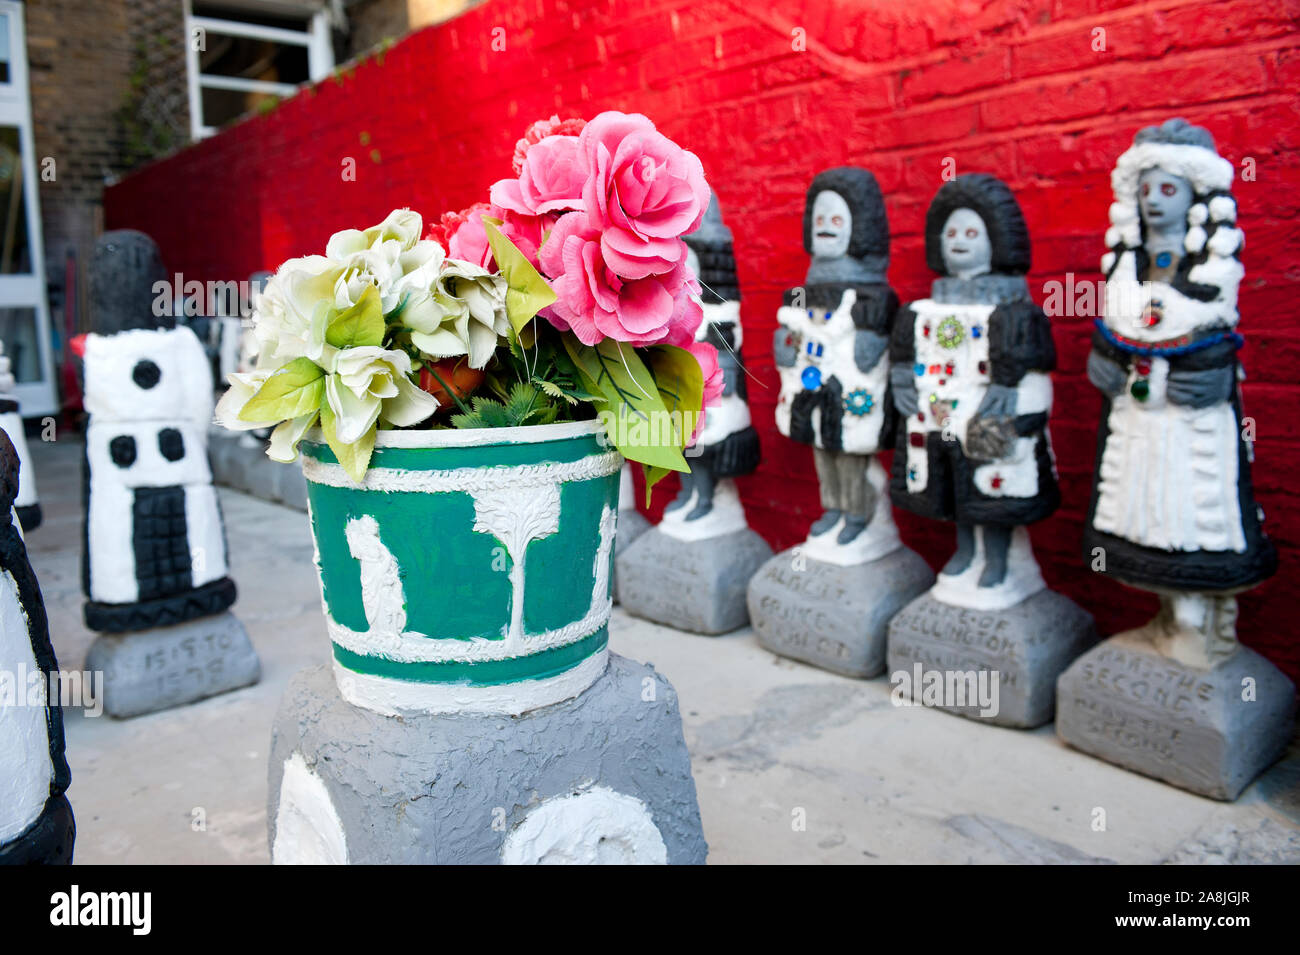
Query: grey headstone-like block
[246, 468]
[1130, 705]
[450, 789]
[692, 585]
[833, 616]
[631, 525]
[1026, 645]
[149, 670]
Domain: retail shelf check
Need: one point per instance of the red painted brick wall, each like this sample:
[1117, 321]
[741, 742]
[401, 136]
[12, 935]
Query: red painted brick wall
[770, 93]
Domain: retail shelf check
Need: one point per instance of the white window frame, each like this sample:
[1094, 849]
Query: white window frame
[316, 40]
[27, 290]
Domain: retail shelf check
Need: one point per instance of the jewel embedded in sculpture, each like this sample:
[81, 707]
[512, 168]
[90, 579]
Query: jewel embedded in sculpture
[1173, 511]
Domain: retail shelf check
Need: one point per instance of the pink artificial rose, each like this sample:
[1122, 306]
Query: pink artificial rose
[539, 131]
[466, 236]
[551, 180]
[596, 303]
[707, 356]
[643, 190]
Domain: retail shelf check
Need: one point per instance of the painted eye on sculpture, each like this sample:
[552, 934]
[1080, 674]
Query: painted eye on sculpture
[952, 233]
[1146, 188]
[837, 220]
[971, 233]
[821, 221]
[1168, 189]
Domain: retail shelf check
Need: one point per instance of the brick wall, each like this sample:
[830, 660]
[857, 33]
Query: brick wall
[768, 94]
[107, 89]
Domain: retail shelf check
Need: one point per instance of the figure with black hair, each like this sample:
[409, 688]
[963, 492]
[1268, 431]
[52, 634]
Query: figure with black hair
[969, 369]
[1173, 510]
[969, 375]
[831, 342]
[36, 824]
[828, 601]
[704, 536]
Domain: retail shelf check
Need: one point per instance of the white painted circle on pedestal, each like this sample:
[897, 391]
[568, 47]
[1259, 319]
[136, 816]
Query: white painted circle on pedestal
[307, 826]
[596, 827]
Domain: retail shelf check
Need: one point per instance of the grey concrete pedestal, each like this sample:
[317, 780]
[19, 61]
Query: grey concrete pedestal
[240, 462]
[696, 585]
[1024, 647]
[604, 777]
[832, 616]
[149, 670]
[1209, 731]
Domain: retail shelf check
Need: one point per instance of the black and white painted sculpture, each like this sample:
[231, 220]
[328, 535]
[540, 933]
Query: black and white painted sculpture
[154, 567]
[704, 538]
[829, 600]
[1173, 511]
[36, 824]
[969, 369]
[27, 505]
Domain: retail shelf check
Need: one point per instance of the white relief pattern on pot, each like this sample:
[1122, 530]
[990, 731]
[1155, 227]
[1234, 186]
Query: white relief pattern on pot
[396, 697]
[469, 480]
[516, 520]
[381, 581]
[600, 572]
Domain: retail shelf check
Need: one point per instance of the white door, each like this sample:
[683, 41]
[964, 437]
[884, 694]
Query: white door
[24, 311]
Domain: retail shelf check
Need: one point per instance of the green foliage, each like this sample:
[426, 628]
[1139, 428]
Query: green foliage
[524, 404]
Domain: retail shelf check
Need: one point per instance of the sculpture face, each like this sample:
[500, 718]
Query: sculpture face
[967, 251]
[832, 225]
[1164, 200]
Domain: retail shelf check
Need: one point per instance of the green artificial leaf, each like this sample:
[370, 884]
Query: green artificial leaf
[527, 292]
[653, 476]
[362, 324]
[635, 417]
[355, 457]
[680, 382]
[290, 392]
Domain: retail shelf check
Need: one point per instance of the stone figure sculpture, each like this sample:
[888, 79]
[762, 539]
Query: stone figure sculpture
[36, 824]
[1173, 511]
[27, 505]
[969, 369]
[155, 565]
[704, 536]
[831, 352]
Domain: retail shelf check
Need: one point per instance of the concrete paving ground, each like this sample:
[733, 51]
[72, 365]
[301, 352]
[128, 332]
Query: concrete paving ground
[773, 743]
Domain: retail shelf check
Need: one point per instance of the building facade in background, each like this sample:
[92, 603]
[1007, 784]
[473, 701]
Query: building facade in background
[91, 91]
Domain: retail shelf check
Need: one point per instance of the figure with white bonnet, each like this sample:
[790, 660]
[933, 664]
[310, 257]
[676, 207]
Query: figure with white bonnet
[828, 601]
[970, 370]
[704, 542]
[1173, 510]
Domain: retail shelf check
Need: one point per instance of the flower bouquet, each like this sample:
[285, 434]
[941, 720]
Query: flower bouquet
[566, 297]
[454, 397]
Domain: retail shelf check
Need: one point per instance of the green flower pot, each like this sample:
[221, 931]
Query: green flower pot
[470, 570]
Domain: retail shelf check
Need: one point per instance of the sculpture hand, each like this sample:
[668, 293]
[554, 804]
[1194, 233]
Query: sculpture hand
[784, 355]
[902, 383]
[999, 401]
[1200, 389]
[868, 347]
[1106, 376]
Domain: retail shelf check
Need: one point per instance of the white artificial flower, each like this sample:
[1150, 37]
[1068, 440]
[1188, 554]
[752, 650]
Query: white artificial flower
[242, 388]
[476, 299]
[289, 322]
[370, 382]
[287, 434]
[403, 225]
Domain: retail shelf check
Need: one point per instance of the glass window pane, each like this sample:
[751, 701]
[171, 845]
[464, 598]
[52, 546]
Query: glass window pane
[4, 48]
[15, 256]
[19, 333]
